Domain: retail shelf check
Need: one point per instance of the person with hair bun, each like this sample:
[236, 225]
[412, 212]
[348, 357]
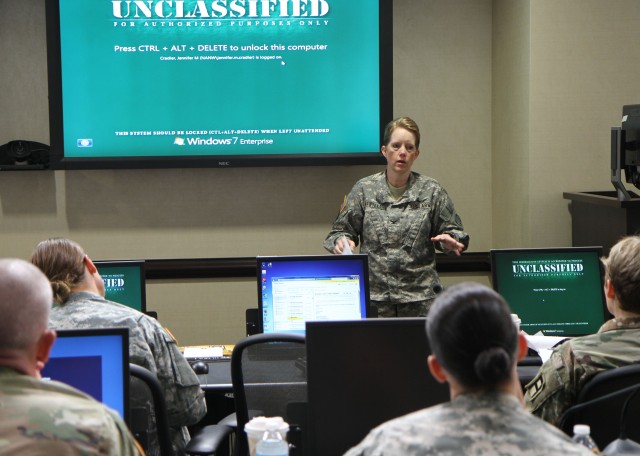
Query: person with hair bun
[475, 348]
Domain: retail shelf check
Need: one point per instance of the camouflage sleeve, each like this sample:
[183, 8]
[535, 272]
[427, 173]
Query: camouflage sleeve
[446, 219]
[554, 389]
[185, 399]
[349, 221]
[48, 417]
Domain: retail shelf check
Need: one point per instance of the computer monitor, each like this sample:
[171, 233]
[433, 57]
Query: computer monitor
[558, 291]
[295, 289]
[625, 152]
[95, 361]
[363, 373]
[124, 282]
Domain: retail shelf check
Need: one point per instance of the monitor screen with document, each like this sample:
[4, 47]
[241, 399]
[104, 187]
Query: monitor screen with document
[558, 291]
[295, 289]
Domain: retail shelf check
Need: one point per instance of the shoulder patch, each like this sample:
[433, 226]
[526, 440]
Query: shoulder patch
[536, 387]
[170, 334]
[343, 206]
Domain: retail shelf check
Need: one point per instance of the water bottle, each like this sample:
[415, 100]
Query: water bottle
[272, 443]
[582, 435]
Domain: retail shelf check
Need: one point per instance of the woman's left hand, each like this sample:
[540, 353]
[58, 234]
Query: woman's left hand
[448, 243]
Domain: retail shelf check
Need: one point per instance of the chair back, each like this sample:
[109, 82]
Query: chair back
[149, 423]
[610, 404]
[269, 378]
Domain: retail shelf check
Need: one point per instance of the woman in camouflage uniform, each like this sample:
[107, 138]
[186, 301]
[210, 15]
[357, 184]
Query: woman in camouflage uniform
[399, 218]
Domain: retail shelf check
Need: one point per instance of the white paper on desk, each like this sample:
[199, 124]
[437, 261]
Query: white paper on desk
[543, 345]
[214, 351]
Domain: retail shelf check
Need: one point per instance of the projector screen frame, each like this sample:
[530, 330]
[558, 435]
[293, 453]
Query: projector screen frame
[58, 160]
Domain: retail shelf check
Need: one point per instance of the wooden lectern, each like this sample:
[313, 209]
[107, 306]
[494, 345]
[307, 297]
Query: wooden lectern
[600, 218]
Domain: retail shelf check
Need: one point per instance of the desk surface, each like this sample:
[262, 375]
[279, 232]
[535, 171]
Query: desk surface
[218, 377]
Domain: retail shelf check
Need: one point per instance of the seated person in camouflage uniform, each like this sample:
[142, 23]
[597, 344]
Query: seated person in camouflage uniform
[475, 349]
[400, 218]
[36, 416]
[78, 294]
[617, 343]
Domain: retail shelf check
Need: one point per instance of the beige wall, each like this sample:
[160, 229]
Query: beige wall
[584, 65]
[510, 124]
[515, 99]
[562, 72]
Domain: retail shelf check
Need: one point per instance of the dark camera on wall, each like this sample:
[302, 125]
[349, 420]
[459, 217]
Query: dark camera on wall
[22, 154]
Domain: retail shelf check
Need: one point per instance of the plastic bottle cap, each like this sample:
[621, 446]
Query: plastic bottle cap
[582, 429]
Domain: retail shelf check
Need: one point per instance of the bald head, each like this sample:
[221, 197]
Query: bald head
[25, 301]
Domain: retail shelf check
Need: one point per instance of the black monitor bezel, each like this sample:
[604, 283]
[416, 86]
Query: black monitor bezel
[281, 258]
[366, 390]
[128, 263]
[630, 151]
[56, 127]
[113, 331]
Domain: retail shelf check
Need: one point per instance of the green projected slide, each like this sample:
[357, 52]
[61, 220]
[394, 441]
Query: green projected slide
[172, 78]
[558, 293]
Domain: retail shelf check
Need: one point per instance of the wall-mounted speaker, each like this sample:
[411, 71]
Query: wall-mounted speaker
[22, 154]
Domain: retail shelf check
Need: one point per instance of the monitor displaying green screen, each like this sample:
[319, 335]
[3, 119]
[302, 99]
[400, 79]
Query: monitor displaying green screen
[124, 282]
[558, 291]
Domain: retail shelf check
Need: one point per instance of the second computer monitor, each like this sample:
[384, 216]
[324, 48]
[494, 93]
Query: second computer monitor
[558, 291]
[295, 289]
[124, 282]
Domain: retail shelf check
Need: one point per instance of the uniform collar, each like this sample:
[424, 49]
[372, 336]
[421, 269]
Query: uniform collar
[621, 323]
[384, 194]
[491, 398]
[81, 296]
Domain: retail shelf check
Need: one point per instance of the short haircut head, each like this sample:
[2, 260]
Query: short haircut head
[62, 261]
[25, 301]
[401, 122]
[622, 267]
[472, 335]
